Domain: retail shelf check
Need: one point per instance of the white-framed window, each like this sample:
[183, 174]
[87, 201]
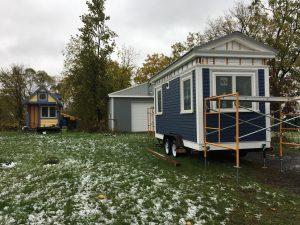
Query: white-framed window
[48, 112]
[42, 96]
[158, 101]
[232, 82]
[186, 94]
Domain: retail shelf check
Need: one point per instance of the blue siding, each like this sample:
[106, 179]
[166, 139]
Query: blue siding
[229, 134]
[171, 121]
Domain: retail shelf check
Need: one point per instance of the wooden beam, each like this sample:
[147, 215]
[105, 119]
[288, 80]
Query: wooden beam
[163, 157]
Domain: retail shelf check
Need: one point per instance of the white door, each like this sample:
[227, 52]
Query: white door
[139, 120]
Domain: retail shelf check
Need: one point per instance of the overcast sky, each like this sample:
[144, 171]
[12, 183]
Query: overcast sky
[34, 32]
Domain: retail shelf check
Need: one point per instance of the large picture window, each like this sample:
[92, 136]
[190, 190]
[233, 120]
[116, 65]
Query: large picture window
[226, 83]
[186, 94]
[48, 112]
[159, 101]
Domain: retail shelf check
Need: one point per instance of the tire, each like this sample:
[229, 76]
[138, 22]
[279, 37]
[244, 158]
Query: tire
[167, 146]
[173, 149]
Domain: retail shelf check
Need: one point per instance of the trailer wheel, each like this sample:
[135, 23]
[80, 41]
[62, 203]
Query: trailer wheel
[174, 152]
[167, 146]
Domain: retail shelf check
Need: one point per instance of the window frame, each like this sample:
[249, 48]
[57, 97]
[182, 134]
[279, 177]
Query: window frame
[185, 78]
[156, 101]
[48, 110]
[234, 75]
[43, 93]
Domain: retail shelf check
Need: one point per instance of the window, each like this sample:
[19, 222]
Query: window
[48, 112]
[52, 111]
[186, 95]
[42, 96]
[159, 101]
[45, 112]
[226, 83]
[224, 86]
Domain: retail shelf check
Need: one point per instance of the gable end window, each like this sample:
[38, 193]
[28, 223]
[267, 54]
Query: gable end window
[186, 94]
[42, 96]
[158, 100]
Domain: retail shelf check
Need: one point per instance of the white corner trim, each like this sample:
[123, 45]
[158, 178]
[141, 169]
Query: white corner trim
[199, 104]
[267, 106]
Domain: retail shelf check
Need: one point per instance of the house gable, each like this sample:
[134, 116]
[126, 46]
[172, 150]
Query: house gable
[236, 42]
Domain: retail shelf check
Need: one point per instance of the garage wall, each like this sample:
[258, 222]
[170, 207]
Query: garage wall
[122, 112]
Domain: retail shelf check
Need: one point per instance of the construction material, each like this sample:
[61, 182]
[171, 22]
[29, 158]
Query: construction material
[163, 157]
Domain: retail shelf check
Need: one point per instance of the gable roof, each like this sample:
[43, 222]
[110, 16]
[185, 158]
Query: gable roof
[236, 35]
[44, 89]
[208, 49]
[138, 91]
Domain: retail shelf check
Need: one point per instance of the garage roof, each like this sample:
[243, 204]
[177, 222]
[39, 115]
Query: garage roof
[137, 91]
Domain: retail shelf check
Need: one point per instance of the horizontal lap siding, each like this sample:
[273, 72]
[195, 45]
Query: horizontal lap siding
[228, 135]
[171, 121]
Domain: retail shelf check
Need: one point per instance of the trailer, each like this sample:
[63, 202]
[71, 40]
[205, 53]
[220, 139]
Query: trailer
[186, 114]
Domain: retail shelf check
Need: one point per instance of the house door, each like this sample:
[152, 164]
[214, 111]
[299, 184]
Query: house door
[34, 116]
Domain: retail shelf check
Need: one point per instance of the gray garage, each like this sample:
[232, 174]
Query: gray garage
[128, 108]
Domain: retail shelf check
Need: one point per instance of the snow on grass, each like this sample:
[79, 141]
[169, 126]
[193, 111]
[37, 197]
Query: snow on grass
[138, 188]
[8, 165]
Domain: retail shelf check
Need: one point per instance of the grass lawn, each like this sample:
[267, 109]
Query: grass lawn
[136, 188]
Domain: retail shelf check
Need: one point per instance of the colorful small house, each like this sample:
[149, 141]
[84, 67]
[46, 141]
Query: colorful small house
[43, 110]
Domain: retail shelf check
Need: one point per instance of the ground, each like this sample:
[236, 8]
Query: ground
[80, 178]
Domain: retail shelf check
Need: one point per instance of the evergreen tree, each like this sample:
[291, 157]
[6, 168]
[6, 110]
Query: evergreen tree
[87, 58]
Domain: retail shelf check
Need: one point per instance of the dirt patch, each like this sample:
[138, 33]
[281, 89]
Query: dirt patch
[288, 178]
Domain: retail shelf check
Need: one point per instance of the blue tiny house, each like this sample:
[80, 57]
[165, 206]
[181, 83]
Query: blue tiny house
[230, 64]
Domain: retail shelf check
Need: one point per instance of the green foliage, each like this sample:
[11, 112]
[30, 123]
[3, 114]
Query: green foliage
[274, 23]
[152, 65]
[88, 68]
[16, 84]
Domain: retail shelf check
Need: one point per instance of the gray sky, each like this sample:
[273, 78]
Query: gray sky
[34, 32]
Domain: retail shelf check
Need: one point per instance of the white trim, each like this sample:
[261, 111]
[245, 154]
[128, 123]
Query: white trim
[199, 104]
[130, 96]
[267, 106]
[185, 78]
[173, 67]
[214, 67]
[234, 54]
[157, 89]
[234, 75]
[197, 146]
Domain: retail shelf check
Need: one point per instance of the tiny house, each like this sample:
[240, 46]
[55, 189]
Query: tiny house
[230, 64]
[43, 110]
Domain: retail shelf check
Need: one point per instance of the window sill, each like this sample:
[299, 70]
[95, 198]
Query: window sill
[158, 114]
[49, 117]
[187, 112]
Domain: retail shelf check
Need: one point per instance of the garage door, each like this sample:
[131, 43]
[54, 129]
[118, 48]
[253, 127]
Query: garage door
[139, 116]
